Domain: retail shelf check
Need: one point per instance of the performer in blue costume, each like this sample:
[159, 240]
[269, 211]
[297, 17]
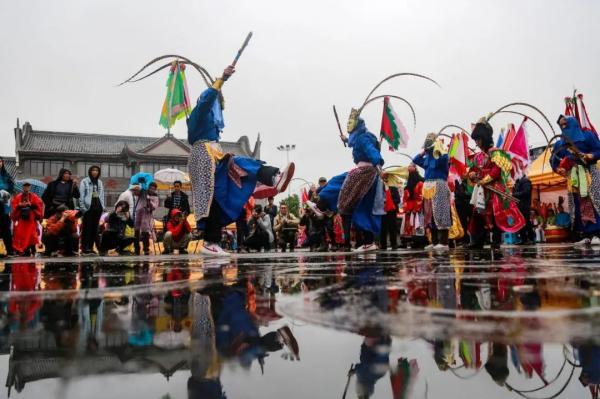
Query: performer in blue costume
[222, 183]
[436, 193]
[358, 194]
[574, 156]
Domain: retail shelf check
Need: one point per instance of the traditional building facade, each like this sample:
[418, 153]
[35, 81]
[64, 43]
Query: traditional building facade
[40, 154]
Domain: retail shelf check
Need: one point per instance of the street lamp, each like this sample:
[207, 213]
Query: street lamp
[287, 148]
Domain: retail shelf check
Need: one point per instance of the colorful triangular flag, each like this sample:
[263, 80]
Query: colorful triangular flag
[177, 101]
[392, 128]
[584, 120]
[458, 153]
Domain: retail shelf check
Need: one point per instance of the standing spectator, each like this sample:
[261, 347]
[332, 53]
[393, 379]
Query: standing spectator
[28, 210]
[7, 185]
[271, 210]
[261, 235]
[286, 226]
[62, 191]
[144, 218]
[115, 231]
[177, 200]
[178, 233]
[91, 204]
[522, 191]
[61, 232]
[389, 223]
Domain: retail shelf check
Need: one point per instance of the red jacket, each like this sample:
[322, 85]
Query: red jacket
[180, 229]
[55, 226]
[414, 204]
[25, 225]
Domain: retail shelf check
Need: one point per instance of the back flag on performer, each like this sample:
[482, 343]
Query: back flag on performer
[516, 145]
[458, 153]
[500, 140]
[585, 122]
[177, 101]
[392, 128]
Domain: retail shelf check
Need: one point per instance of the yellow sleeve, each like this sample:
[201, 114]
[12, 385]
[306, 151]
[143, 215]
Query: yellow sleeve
[218, 84]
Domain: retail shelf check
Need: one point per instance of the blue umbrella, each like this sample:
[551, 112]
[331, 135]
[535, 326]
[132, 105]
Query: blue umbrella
[37, 187]
[142, 179]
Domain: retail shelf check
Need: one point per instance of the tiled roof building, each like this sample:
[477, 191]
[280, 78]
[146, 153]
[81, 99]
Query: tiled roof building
[41, 154]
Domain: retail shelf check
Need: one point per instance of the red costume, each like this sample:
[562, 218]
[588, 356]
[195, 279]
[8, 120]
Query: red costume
[28, 209]
[180, 229]
[489, 167]
[412, 205]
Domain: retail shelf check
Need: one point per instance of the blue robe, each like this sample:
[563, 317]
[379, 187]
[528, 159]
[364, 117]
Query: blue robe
[587, 143]
[230, 197]
[206, 119]
[206, 123]
[435, 169]
[367, 214]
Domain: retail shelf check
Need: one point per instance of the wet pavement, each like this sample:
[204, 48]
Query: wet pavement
[523, 322]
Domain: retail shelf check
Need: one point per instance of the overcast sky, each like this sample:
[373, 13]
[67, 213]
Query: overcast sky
[62, 59]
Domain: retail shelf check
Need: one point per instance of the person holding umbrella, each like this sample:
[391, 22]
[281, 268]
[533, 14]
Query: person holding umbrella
[144, 218]
[7, 186]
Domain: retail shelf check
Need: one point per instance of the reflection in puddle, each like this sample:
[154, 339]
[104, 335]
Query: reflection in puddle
[397, 325]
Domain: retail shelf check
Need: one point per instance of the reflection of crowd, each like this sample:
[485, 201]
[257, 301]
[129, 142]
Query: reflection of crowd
[205, 328]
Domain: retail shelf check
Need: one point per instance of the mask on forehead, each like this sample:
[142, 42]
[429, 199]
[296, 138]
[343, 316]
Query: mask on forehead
[429, 140]
[352, 120]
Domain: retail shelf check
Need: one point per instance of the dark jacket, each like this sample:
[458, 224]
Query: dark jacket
[50, 192]
[117, 224]
[184, 203]
[522, 191]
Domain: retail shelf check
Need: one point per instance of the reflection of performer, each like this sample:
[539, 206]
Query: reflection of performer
[491, 169]
[497, 363]
[222, 329]
[575, 156]
[229, 180]
[374, 364]
[589, 358]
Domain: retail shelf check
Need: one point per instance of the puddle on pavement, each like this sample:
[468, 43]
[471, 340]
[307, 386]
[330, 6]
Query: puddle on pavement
[521, 323]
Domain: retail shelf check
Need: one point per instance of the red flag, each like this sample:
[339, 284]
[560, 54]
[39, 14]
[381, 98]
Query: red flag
[518, 149]
[392, 128]
[585, 122]
[458, 153]
[304, 195]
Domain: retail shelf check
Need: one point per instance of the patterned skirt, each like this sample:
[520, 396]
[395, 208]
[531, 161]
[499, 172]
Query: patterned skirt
[357, 184]
[436, 204]
[201, 165]
[587, 217]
